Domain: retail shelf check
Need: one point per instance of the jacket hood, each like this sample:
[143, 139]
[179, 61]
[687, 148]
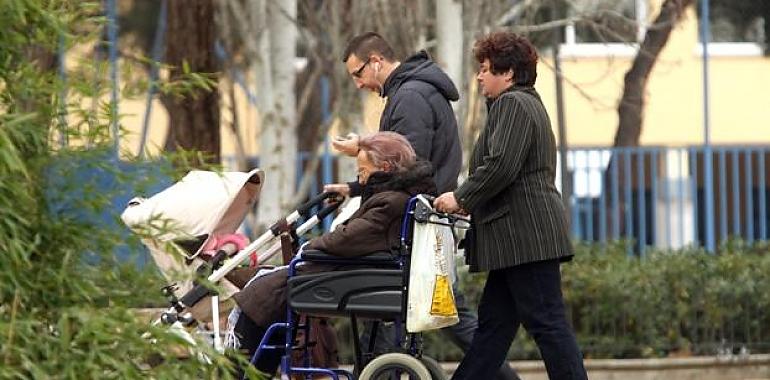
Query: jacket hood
[420, 67]
[417, 180]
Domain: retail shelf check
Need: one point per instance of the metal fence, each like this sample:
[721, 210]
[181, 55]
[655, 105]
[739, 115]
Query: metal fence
[657, 197]
[650, 196]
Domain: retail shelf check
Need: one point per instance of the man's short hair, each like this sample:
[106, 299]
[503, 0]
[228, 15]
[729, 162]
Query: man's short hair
[364, 45]
[506, 51]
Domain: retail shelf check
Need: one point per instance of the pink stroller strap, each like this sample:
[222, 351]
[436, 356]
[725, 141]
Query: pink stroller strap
[217, 241]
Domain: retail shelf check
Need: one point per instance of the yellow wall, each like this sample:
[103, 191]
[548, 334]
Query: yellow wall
[740, 104]
[133, 115]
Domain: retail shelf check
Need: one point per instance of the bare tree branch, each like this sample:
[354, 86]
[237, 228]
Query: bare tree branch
[545, 26]
[513, 13]
[312, 166]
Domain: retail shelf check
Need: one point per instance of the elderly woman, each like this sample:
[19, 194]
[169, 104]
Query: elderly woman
[390, 174]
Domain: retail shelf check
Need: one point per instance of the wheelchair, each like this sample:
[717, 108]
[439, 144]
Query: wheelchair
[375, 287]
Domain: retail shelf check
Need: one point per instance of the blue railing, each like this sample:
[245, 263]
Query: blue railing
[655, 197]
[650, 196]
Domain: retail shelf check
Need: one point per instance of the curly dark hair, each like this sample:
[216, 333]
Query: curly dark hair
[506, 51]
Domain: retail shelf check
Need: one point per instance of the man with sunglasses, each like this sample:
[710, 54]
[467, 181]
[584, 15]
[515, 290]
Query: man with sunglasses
[418, 93]
[418, 106]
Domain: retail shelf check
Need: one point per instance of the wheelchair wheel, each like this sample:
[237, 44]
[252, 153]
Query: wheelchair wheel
[434, 368]
[395, 366]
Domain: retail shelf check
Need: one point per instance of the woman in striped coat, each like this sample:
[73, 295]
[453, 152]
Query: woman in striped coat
[519, 229]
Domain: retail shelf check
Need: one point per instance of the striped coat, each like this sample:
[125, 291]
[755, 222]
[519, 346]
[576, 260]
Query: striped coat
[517, 211]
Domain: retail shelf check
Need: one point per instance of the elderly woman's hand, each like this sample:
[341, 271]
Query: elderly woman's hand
[446, 203]
[347, 145]
[341, 188]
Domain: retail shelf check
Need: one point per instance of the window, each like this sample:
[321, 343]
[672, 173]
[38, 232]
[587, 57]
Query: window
[616, 27]
[736, 27]
[605, 21]
[605, 27]
[737, 21]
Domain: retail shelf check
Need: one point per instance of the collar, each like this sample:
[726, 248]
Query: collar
[512, 88]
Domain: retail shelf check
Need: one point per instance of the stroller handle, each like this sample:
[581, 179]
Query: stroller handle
[328, 210]
[269, 235]
[301, 230]
[304, 208]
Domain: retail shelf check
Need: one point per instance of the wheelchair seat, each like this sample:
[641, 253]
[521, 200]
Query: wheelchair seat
[374, 258]
[374, 291]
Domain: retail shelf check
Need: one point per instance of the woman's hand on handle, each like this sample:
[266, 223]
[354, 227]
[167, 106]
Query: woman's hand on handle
[447, 203]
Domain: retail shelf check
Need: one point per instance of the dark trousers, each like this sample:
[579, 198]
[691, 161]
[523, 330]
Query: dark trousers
[529, 295]
[461, 334]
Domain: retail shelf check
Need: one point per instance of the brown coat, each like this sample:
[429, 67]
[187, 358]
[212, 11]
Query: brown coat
[375, 227]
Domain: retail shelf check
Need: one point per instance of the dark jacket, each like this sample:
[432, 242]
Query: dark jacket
[419, 93]
[518, 215]
[373, 228]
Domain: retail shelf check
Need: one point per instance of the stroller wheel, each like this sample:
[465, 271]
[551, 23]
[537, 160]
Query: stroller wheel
[395, 366]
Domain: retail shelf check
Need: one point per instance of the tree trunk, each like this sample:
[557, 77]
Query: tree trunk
[43, 60]
[631, 107]
[630, 116]
[277, 107]
[194, 120]
[235, 127]
[449, 26]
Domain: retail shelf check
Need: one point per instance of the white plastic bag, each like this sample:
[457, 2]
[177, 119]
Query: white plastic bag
[430, 303]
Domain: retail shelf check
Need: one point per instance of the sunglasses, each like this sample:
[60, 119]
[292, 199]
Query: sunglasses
[360, 71]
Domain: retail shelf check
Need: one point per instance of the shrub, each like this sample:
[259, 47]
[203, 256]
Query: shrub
[64, 299]
[681, 303]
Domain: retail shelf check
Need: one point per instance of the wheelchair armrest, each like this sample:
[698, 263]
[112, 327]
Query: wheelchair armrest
[370, 258]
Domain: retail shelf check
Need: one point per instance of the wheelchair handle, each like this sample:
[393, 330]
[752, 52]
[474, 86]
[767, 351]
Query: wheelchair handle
[453, 218]
[429, 198]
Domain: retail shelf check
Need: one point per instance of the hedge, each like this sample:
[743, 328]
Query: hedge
[682, 303]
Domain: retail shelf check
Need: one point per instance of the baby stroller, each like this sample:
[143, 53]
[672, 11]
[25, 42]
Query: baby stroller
[376, 287]
[201, 213]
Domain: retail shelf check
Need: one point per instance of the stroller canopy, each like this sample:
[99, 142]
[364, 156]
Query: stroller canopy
[201, 205]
